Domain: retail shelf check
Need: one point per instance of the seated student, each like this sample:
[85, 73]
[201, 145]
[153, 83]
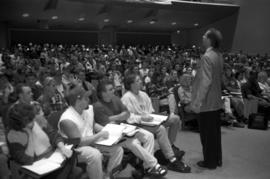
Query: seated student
[251, 90]
[51, 99]
[29, 142]
[4, 171]
[110, 109]
[231, 85]
[78, 122]
[140, 106]
[262, 80]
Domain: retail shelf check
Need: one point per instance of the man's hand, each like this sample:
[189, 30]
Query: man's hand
[187, 108]
[103, 134]
[195, 108]
[66, 152]
[147, 118]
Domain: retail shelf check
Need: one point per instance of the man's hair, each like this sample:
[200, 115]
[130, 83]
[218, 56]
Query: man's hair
[19, 115]
[74, 93]
[129, 79]
[102, 87]
[19, 88]
[215, 37]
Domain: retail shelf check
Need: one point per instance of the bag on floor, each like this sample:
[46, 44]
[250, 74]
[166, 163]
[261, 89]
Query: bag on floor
[257, 121]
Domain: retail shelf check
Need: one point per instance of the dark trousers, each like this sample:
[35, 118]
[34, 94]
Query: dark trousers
[210, 134]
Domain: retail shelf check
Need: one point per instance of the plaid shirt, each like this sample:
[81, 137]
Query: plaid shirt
[57, 102]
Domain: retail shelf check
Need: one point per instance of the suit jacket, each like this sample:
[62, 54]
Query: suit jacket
[206, 89]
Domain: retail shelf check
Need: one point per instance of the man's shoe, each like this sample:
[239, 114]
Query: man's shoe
[238, 124]
[178, 153]
[179, 166]
[219, 164]
[203, 165]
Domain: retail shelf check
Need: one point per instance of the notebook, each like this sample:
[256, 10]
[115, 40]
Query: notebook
[129, 130]
[47, 165]
[115, 134]
[157, 120]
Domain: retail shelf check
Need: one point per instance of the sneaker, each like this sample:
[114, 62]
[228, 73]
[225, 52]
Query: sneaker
[179, 166]
[178, 153]
[238, 124]
[157, 171]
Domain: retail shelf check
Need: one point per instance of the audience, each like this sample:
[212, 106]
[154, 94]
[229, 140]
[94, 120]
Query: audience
[139, 105]
[78, 122]
[110, 109]
[28, 141]
[43, 76]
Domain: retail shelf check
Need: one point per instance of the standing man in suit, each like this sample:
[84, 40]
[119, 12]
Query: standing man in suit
[206, 99]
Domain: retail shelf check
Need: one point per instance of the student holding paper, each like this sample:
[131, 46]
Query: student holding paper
[110, 109]
[29, 142]
[140, 107]
[78, 122]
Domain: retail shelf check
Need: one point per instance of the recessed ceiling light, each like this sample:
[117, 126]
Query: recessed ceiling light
[129, 21]
[173, 23]
[25, 15]
[152, 22]
[106, 20]
[178, 31]
[81, 19]
[196, 24]
[54, 17]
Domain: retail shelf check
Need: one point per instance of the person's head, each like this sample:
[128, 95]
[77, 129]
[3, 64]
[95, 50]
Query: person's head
[105, 90]
[174, 74]
[135, 69]
[177, 67]
[78, 97]
[102, 69]
[49, 86]
[186, 80]
[164, 70]
[253, 76]
[212, 38]
[133, 82]
[24, 93]
[81, 75]
[262, 77]
[31, 79]
[21, 116]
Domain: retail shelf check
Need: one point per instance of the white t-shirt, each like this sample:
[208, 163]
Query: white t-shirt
[84, 122]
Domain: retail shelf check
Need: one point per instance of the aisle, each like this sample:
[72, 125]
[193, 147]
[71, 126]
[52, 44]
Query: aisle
[246, 155]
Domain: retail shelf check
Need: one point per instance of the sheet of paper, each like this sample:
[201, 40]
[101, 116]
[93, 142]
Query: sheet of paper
[158, 119]
[42, 166]
[57, 156]
[47, 165]
[115, 134]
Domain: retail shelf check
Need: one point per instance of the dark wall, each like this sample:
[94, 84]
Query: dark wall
[248, 30]
[253, 27]
[3, 35]
[64, 37]
[143, 38]
[226, 26]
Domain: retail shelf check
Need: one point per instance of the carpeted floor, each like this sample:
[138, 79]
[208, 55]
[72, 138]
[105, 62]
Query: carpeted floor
[246, 155]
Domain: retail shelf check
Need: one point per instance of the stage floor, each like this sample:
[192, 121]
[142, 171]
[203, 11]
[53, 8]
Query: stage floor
[246, 155]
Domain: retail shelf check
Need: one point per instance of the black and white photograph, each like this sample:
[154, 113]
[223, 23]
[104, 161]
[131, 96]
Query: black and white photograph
[134, 89]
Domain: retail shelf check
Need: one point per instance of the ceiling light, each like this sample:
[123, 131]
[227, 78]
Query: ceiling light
[106, 20]
[152, 22]
[81, 19]
[196, 24]
[178, 31]
[129, 21]
[54, 17]
[173, 23]
[25, 15]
